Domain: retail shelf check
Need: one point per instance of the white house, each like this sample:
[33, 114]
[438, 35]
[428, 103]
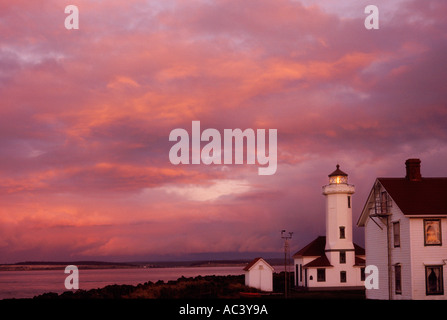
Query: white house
[333, 261]
[259, 275]
[405, 222]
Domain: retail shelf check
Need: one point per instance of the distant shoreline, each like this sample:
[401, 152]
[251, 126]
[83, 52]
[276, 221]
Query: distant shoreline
[59, 267]
[88, 265]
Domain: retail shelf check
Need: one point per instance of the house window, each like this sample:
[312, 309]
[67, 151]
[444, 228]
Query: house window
[434, 280]
[342, 256]
[342, 276]
[301, 272]
[321, 274]
[362, 274]
[398, 279]
[349, 201]
[432, 232]
[342, 232]
[396, 234]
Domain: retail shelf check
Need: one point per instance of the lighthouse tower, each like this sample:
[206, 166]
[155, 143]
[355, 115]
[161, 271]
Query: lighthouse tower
[338, 193]
[333, 261]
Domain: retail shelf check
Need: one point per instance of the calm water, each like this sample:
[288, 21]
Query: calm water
[27, 284]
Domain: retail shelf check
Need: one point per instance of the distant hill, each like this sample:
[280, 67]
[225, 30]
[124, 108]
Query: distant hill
[66, 263]
[58, 265]
[54, 265]
[203, 263]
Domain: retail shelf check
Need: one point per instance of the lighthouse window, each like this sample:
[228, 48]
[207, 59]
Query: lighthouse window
[342, 276]
[342, 257]
[342, 232]
[349, 201]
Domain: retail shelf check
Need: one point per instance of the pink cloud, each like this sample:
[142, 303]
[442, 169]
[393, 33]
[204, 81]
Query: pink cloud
[85, 118]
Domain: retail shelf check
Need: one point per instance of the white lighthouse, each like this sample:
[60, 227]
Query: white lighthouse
[333, 261]
[338, 195]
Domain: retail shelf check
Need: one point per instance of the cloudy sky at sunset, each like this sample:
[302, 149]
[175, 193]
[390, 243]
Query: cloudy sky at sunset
[85, 117]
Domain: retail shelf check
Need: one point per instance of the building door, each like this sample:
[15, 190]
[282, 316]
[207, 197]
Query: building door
[305, 277]
[296, 275]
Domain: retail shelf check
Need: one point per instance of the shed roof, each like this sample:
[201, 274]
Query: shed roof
[254, 261]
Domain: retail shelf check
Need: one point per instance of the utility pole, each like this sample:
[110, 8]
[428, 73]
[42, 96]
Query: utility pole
[286, 237]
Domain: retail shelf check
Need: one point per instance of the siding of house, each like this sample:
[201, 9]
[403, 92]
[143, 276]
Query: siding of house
[419, 198]
[401, 255]
[376, 254]
[333, 278]
[353, 274]
[302, 261]
[426, 255]
[412, 255]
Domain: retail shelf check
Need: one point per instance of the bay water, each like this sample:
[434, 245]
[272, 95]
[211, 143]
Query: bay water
[27, 284]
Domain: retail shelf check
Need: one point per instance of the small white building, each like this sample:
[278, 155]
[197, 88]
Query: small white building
[405, 222]
[333, 262]
[259, 275]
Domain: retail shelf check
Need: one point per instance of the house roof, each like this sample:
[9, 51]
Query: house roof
[321, 261]
[316, 248]
[359, 251]
[254, 261]
[359, 261]
[424, 197]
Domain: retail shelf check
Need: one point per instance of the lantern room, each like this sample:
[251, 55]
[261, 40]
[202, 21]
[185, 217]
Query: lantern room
[338, 177]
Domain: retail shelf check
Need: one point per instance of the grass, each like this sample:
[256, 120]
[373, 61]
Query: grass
[200, 287]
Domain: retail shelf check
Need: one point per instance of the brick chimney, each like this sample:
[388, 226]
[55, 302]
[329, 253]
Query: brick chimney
[413, 167]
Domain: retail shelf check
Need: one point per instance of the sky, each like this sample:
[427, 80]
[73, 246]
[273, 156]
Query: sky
[85, 118]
